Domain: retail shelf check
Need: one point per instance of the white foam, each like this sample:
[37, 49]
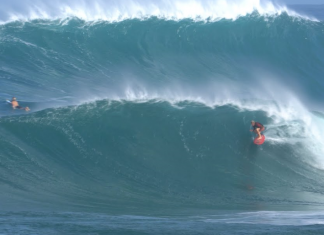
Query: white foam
[114, 11]
[279, 218]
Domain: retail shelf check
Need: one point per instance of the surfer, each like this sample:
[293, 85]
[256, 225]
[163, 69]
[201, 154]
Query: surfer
[15, 104]
[257, 128]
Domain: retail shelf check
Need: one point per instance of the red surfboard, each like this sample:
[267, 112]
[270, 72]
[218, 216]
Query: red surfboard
[260, 141]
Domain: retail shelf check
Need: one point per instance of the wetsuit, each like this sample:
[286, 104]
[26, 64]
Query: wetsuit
[258, 125]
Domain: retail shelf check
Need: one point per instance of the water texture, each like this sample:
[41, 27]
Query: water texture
[140, 119]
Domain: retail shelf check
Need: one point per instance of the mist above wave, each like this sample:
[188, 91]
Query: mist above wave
[121, 10]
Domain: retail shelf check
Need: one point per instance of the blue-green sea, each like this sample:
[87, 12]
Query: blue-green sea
[140, 114]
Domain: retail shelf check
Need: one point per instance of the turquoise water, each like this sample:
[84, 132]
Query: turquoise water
[141, 125]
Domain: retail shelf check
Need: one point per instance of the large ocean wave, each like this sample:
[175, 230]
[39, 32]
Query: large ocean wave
[146, 108]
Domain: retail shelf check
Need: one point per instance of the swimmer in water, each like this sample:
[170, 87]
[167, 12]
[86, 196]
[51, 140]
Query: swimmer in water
[15, 104]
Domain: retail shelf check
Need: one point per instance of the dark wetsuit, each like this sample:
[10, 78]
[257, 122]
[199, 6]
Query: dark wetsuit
[258, 125]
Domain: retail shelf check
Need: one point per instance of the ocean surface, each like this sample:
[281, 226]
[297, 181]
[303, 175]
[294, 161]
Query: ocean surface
[140, 118]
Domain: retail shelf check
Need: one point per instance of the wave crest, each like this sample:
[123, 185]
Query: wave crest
[210, 10]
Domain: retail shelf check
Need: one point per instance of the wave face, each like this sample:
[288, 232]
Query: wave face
[154, 112]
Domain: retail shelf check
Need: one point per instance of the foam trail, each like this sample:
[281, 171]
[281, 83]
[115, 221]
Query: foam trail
[113, 11]
[280, 218]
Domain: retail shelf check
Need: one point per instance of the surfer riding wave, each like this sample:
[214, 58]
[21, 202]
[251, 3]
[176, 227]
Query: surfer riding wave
[257, 128]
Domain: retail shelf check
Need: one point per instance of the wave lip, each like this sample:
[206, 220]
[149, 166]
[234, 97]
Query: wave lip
[210, 10]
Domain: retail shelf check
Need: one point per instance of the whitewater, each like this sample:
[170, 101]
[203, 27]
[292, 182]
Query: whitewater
[140, 117]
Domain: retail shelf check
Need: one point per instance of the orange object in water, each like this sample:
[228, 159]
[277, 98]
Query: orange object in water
[260, 141]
